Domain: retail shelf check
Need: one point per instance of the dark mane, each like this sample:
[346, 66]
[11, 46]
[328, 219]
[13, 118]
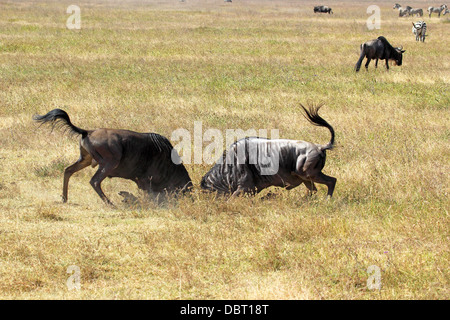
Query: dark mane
[162, 143]
[385, 42]
[389, 49]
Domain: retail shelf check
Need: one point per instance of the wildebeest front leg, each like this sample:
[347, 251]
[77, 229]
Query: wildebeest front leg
[84, 161]
[236, 193]
[387, 64]
[96, 180]
[367, 63]
[311, 187]
[241, 190]
[376, 63]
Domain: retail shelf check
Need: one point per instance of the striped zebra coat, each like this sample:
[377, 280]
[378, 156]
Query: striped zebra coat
[419, 29]
[402, 12]
[416, 11]
[437, 10]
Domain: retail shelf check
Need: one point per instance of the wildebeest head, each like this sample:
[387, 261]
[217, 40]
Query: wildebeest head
[398, 58]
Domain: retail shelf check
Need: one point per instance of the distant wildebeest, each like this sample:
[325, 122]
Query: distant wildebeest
[437, 10]
[402, 12]
[416, 11]
[145, 158]
[419, 29]
[381, 49]
[323, 9]
[253, 164]
[446, 11]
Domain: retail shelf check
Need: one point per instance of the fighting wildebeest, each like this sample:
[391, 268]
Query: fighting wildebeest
[381, 49]
[253, 164]
[419, 29]
[437, 10]
[145, 158]
[323, 9]
[402, 12]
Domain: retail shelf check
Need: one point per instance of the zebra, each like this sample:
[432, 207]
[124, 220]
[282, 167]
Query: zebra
[402, 12]
[419, 29]
[437, 9]
[417, 11]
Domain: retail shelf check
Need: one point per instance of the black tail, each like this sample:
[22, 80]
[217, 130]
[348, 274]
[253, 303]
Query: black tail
[313, 116]
[59, 119]
[361, 57]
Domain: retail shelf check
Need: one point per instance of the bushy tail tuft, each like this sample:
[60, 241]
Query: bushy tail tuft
[312, 115]
[59, 119]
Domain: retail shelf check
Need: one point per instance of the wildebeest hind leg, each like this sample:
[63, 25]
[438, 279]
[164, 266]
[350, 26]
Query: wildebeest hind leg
[84, 161]
[330, 182]
[367, 63]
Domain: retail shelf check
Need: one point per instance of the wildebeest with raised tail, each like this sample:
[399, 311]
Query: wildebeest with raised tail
[323, 9]
[379, 49]
[145, 158]
[253, 164]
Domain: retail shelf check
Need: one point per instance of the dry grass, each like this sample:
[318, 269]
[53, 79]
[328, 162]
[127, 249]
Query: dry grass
[158, 67]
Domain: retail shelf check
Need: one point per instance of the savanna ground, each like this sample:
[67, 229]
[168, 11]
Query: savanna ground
[157, 67]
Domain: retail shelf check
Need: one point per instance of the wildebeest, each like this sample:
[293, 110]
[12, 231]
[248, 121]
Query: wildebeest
[253, 164]
[437, 10]
[402, 12]
[446, 11]
[419, 29]
[145, 158]
[381, 49]
[323, 9]
[416, 11]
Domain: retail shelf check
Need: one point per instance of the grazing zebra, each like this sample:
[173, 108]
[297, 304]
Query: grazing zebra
[436, 9]
[402, 12]
[417, 11]
[419, 29]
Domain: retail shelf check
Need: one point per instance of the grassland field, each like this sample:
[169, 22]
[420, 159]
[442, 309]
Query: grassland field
[156, 66]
